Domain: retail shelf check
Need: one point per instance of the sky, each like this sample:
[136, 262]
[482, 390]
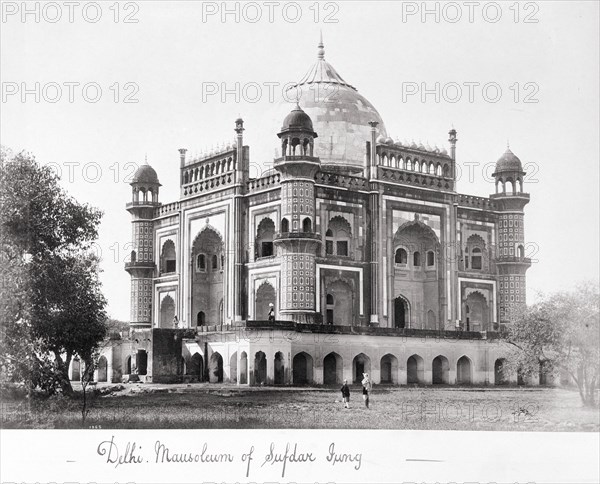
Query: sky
[95, 90]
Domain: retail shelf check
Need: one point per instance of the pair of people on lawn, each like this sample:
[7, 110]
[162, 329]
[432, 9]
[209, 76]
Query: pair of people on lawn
[367, 387]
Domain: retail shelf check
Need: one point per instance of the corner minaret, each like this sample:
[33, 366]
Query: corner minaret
[297, 243]
[141, 265]
[510, 228]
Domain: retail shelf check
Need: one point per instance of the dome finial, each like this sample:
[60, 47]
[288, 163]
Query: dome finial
[145, 158]
[507, 144]
[321, 51]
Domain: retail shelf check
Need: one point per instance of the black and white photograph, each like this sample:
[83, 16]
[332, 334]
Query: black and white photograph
[309, 241]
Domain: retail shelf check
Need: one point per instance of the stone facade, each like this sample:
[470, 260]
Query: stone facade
[367, 255]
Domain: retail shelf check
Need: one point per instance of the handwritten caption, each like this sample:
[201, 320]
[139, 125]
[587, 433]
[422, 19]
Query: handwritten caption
[278, 456]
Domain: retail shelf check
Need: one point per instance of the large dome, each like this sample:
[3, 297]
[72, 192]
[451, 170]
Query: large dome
[340, 115]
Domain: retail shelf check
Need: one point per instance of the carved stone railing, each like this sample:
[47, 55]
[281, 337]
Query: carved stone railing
[208, 173]
[343, 181]
[167, 209]
[208, 184]
[475, 202]
[354, 330]
[263, 183]
[408, 177]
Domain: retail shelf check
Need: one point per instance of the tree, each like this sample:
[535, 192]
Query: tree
[561, 334]
[52, 307]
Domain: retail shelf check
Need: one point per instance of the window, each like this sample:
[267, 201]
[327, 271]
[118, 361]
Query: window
[200, 318]
[264, 238]
[417, 259]
[215, 262]
[430, 258]
[329, 247]
[342, 247]
[338, 236]
[168, 257]
[476, 258]
[201, 262]
[266, 249]
[401, 256]
[285, 225]
[475, 252]
[307, 225]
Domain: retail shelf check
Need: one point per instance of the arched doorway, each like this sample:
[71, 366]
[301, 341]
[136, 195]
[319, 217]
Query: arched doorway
[265, 295]
[167, 312]
[332, 369]
[464, 371]
[76, 370]
[260, 368]
[102, 369]
[196, 366]
[441, 370]
[215, 368]
[361, 364]
[339, 303]
[244, 368]
[543, 373]
[264, 238]
[279, 369]
[142, 362]
[400, 312]
[207, 287]
[128, 365]
[233, 367]
[414, 369]
[389, 369]
[499, 373]
[522, 377]
[302, 369]
[477, 312]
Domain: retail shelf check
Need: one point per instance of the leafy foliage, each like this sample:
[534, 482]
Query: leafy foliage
[52, 307]
[561, 334]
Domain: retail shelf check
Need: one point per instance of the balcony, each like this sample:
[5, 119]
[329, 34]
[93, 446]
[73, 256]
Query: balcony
[496, 196]
[297, 235]
[142, 204]
[140, 265]
[283, 159]
[513, 260]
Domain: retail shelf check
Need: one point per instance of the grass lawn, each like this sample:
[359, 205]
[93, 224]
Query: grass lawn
[201, 405]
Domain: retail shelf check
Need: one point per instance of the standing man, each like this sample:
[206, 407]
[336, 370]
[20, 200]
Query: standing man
[346, 394]
[271, 312]
[367, 387]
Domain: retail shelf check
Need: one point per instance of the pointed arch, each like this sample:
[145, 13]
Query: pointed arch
[360, 364]
[302, 369]
[440, 368]
[464, 371]
[167, 312]
[415, 369]
[389, 369]
[332, 368]
[265, 297]
[264, 238]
